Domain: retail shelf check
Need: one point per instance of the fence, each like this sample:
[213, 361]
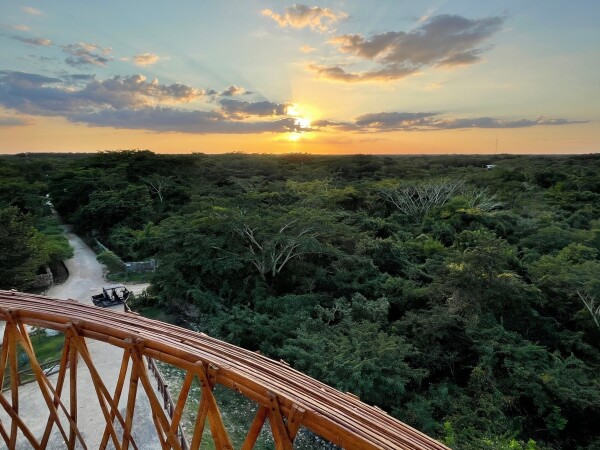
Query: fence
[27, 375]
[133, 266]
[163, 389]
[141, 266]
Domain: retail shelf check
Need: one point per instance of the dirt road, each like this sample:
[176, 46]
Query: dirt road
[85, 279]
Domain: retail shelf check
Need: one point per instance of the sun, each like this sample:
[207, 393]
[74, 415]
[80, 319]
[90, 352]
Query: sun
[301, 124]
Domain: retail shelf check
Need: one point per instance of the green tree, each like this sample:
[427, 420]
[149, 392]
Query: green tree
[22, 249]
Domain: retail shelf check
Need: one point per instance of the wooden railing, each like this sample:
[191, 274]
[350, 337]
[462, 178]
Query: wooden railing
[27, 375]
[284, 397]
[163, 390]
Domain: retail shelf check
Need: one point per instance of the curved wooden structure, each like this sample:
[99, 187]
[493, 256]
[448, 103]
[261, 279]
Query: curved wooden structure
[286, 397]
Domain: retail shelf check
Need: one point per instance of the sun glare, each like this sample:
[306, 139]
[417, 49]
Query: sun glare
[301, 123]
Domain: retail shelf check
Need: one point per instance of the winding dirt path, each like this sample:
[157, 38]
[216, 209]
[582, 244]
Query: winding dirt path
[85, 278]
[85, 274]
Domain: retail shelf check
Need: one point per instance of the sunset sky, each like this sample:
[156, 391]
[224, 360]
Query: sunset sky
[342, 77]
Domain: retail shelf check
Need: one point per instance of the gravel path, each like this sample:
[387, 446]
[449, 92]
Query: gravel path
[85, 279]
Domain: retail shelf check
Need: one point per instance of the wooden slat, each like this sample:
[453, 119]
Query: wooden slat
[101, 391]
[3, 356]
[278, 428]
[64, 362]
[200, 422]
[131, 398]
[14, 380]
[255, 428]
[116, 396]
[183, 394]
[72, 391]
[215, 420]
[157, 411]
[43, 382]
[14, 415]
[294, 421]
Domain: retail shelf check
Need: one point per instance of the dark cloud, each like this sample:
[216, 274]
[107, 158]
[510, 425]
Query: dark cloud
[136, 91]
[233, 90]
[136, 103]
[13, 122]
[34, 41]
[490, 122]
[401, 121]
[183, 121]
[392, 120]
[38, 58]
[302, 16]
[24, 79]
[335, 73]
[37, 94]
[444, 40]
[77, 78]
[83, 54]
[240, 109]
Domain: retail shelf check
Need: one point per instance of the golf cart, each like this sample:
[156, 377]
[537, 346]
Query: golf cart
[114, 295]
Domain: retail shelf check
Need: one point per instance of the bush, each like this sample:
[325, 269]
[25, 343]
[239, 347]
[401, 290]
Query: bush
[112, 262]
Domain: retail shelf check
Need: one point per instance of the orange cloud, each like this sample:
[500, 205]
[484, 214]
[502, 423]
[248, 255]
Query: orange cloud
[145, 59]
[302, 16]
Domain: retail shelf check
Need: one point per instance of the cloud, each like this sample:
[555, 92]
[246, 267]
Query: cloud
[34, 41]
[392, 120]
[440, 41]
[429, 121]
[39, 58]
[336, 73]
[302, 16]
[307, 49]
[41, 95]
[77, 78]
[13, 122]
[177, 120]
[32, 11]
[240, 109]
[83, 54]
[145, 59]
[136, 91]
[232, 91]
[19, 27]
[136, 103]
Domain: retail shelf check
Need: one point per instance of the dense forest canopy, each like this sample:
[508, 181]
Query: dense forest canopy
[464, 301]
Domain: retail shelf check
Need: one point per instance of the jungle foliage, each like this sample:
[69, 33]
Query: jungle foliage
[464, 301]
[30, 235]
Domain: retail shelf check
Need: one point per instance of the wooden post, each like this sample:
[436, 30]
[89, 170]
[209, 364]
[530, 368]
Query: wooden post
[255, 428]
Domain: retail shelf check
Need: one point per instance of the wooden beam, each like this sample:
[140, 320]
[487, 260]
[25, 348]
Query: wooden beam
[14, 380]
[200, 422]
[72, 391]
[162, 421]
[215, 420]
[294, 421]
[255, 428]
[131, 399]
[183, 394]
[64, 362]
[278, 428]
[116, 397]
[42, 380]
[15, 417]
[99, 387]
[3, 356]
